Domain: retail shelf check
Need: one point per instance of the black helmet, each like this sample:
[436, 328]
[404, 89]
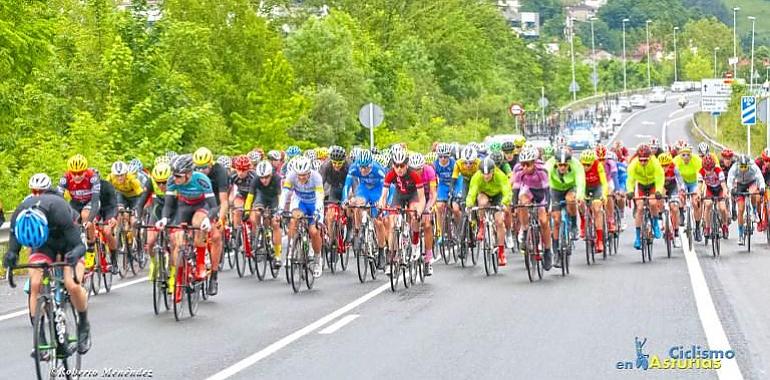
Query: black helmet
[487, 166]
[182, 164]
[497, 157]
[563, 156]
[508, 146]
[337, 153]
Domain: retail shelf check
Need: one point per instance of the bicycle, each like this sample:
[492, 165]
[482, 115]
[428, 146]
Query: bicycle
[533, 259]
[228, 242]
[128, 245]
[590, 233]
[160, 289]
[490, 250]
[264, 252]
[241, 247]
[448, 246]
[334, 247]
[688, 218]
[716, 226]
[97, 270]
[668, 229]
[300, 263]
[566, 244]
[400, 255]
[646, 235]
[364, 246]
[54, 325]
[468, 239]
[187, 289]
[613, 237]
[748, 217]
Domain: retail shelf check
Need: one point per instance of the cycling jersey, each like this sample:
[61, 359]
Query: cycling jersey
[611, 173]
[595, 177]
[240, 185]
[108, 206]
[444, 173]
[369, 186]
[332, 177]
[537, 179]
[673, 179]
[308, 196]
[429, 181]
[129, 188]
[689, 170]
[745, 177]
[498, 185]
[407, 184]
[465, 170]
[219, 181]
[574, 178]
[764, 167]
[82, 192]
[264, 195]
[712, 179]
[196, 191]
[651, 173]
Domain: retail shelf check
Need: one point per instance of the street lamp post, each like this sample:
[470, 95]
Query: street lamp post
[625, 84]
[647, 25]
[751, 74]
[595, 78]
[572, 54]
[716, 49]
[675, 54]
[735, 51]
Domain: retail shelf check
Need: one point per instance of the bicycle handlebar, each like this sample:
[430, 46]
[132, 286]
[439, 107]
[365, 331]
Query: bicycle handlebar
[58, 264]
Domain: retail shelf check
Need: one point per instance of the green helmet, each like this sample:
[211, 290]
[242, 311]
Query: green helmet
[547, 152]
[495, 147]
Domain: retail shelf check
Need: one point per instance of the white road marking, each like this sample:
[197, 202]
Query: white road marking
[633, 115]
[338, 325]
[271, 349]
[26, 312]
[647, 122]
[712, 325]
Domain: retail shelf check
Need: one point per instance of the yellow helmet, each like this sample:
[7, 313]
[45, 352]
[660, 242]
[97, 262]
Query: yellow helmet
[203, 157]
[587, 157]
[77, 163]
[519, 141]
[665, 159]
[161, 172]
[322, 153]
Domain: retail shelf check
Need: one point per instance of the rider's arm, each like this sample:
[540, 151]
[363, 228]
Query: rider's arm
[660, 176]
[580, 178]
[603, 180]
[679, 179]
[502, 181]
[759, 179]
[631, 179]
[731, 177]
[319, 194]
[146, 191]
[169, 204]
[96, 188]
[473, 190]
[346, 186]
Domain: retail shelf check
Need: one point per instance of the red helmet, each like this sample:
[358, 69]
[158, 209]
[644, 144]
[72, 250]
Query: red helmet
[708, 162]
[727, 153]
[601, 152]
[242, 163]
[766, 154]
[643, 151]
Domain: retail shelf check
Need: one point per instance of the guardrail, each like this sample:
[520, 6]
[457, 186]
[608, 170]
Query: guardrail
[706, 137]
[585, 101]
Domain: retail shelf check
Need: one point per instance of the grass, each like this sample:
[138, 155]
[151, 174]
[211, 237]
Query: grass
[23, 256]
[731, 134]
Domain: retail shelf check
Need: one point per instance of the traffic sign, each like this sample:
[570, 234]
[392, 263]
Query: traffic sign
[715, 95]
[732, 60]
[543, 102]
[371, 115]
[762, 110]
[594, 78]
[574, 87]
[516, 109]
[748, 110]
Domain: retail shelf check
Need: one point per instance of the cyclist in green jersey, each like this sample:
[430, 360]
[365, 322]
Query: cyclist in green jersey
[566, 179]
[490, 187]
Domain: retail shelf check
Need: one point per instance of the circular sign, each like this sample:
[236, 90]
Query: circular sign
[516, 109]
[543, 102]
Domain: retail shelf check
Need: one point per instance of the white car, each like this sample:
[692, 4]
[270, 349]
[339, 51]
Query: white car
[624, 104]
[658, 95]
[638, 101]
[616, 118]
[680, 87]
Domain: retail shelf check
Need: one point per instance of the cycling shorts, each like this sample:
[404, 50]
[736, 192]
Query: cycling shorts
[557, 197]
[594, 193]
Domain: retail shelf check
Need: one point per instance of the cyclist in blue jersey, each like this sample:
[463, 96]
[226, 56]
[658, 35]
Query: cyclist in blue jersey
[370, 178]
[444, 167]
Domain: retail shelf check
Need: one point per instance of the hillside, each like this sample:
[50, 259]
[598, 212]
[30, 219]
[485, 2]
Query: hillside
[757, 8]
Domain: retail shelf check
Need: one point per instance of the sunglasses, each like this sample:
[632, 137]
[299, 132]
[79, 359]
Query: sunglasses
[265, 178]
[527, 164]
[562, 165]
[744, 167]
[644, 160]
[468, 164]
[79, 174]
[161, 183]
[399, 166]
[201, 168]
[337, 163]
[179, 175]
[685, 155]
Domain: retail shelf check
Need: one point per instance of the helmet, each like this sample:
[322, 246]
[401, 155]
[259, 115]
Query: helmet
[242, 163]
[399, 156]
[665, 158]
[381, 159]
[654, 143]
[487, 166]
[274, 155]
[337, 153]
[293, 151]
[322, 153]
[482, 148]
[680, 143]
[119, 168]
[430, 157]
[364, 158]
[685, 149]
[563, 156]
[443, 149]
[302, 165]
[310, 154]
[162, 159]
[519, 141]
[495, 147]
[171, 154]
[587, 157]
[77, 163]
[666, 148]
[643, 150]
[161, 172]
[508, 146]
[264, 169]
[497, 157]
[601, 152]
[182, 164]
[766, 154]
[316, 164]
[744, 160]
[374, 150]
[727, 153]
[40, 182]
[224, 161]
[254, 156]
[416, 161]
[202, 157]
[528, 155]
[135, 166]
[31, 228]
[703, 148]
[708, 162]
[468, 154]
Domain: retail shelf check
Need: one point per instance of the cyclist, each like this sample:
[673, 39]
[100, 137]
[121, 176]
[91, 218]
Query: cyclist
[82, 183]
[322, 153]
[645, 179]
[203, 160]
[304, 187]
[489, 186]
[466, 166]
[530, 180]
[370, 177]
[620, 150]
[705, 150]
[566, 178]
[745, 177]
[189, 200]
[672, 184]
[655, 146]
[417, 163]
[159, 178]
[407, 193]
[132, 194]
[263, 197]
[45, 224]
[276, 160]
[108, 213]
[595, 189]
[499, 160]
[689, 166]
[726, 159]
[613, 183]
[713, 184]
[292, 152]
[334, 172]
[444, 167]
[241, 182]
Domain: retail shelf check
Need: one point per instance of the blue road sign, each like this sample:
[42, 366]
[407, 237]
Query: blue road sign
[748, 110]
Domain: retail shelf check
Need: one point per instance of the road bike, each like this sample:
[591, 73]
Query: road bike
[264, 252]
[334, 247]
[161, 252]
[748, 218]
[299, 261]
[533, 258]
[490, 237]
[97, 271]
[716, 226]
[132, 257]
[241, 240]
[566, 243]
[364, 245]
[401, 259]
[188, 289]
[646, 235]
[448, 245]
[468, 239]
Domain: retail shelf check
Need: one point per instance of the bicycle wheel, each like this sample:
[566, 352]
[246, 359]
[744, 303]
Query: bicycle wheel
[668, 233]
[238, 252]
[362, 257]
[43, 330]
[228, 250]
[132, 255]
[194, 290]
[538, 255]
[749, 226]
[180, 287]
[529, 258]
[158, 291]
[309, 265]
[344, 254]
[487, 260]
[420, 267]
[474, 251]
[406, 272]
[329, 253]
[395, 268]
[260, 256]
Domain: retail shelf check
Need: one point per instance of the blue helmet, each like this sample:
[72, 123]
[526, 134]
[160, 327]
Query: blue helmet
[293, 151]
[364, 158]
[135, 166]
[31, 228]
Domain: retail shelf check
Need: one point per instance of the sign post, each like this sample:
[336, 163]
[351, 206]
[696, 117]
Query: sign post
[371, 116]
[543, 103]
[516, 110]
[748, 117]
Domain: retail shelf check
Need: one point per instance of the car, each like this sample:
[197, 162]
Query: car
[616, 118]
[638, 101]
[658, 95]
[581, 139]
[680, 87]
[624, 104]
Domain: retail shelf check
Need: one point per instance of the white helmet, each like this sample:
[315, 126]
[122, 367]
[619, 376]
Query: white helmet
[302, 165]
[527, 155]
[399, 156]
[468, 154]
[264, 169]
[317, 164]
[40, 182]
[416, 161]
[119, 168]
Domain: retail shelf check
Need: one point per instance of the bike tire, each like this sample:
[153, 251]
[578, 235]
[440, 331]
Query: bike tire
[406, 272]
[240, 254]
[194, 291]
[157, 293]
[43, 324]
[474, 251]
[395, 269]
[344, 256]
[309, 278]
[295, 269]
[261, 262]
[669, 234]
[528, 262]
[421, 270]
[132, 257]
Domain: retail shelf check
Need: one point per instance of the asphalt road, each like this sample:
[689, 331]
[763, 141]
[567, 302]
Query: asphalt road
[459, 324]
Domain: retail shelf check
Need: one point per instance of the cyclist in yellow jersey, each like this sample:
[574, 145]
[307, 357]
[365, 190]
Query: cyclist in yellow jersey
[159, 181]
[130, 192]
[646, 178]
[689, 165]
[466, 166]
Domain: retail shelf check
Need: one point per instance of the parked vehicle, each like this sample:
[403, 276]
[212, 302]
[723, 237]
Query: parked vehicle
[638, 101]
